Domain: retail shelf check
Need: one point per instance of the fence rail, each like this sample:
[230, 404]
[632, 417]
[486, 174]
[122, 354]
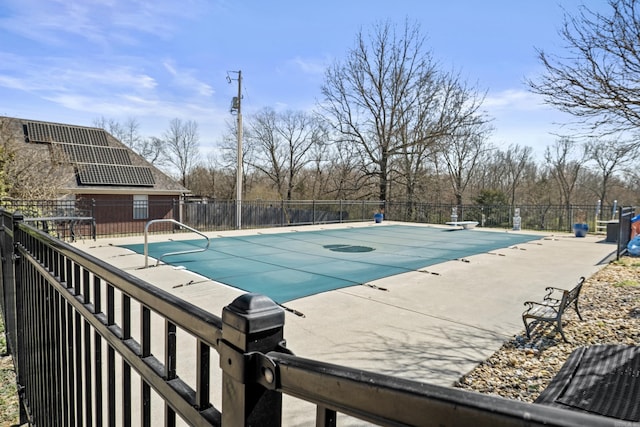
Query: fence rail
[94, 345]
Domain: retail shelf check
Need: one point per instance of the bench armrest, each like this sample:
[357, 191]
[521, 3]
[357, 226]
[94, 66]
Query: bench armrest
[551, 300]
[532, 304]
[551, 291]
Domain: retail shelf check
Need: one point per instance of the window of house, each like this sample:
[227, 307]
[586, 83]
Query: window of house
[140, 206]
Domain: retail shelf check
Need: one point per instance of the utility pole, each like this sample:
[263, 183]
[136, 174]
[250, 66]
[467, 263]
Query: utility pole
[236, 107]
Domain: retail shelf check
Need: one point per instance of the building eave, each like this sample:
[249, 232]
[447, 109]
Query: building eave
[122, 191]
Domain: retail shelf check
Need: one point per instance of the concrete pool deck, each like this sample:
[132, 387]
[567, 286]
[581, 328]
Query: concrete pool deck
[433, 325]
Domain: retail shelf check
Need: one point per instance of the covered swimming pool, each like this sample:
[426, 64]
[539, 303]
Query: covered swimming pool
[294, 264]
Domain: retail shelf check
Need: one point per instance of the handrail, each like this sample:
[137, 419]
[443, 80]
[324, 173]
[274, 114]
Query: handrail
[190, 251]
[387, 400]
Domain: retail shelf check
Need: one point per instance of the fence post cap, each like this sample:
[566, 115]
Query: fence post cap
[18, 216]
[251, 313]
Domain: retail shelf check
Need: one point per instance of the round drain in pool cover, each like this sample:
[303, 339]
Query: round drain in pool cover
[348, 248]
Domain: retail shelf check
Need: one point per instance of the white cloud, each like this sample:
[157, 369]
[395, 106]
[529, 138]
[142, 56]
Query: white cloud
[13, 83]
[120, 106]
[53, 22]
[102, 22]
[514, 99]
[521, 117]
[312, 66]
[104, 79]
[51, 75]
[186, 79]
[31, 80]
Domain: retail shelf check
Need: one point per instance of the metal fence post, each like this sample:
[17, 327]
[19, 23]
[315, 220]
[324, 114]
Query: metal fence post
[8, 283]
[251, 323]
[11, 295]
[14, 324]
[174, 209]
[570, 219]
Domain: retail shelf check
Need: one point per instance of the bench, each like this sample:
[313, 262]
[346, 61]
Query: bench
[551, 308]
[464, 224]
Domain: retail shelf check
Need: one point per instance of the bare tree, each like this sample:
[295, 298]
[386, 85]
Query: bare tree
[112, 126]
[423, 126]
[301, 133]
[390, 100]
[491, 177]
[229, 154]
[269, 153]
[130, 133]
[610, 157]
[597, 80]
[515, 161]
[345, 178]
[30, 171]
[461, 153]
[538, 187]
[181, 141]
[319, 161]
[281, 144]
[151, 148]
[367, 96]
[210, 179]
[465, 131]
[565, 160]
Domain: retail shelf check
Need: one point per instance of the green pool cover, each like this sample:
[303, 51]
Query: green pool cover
[291, 265]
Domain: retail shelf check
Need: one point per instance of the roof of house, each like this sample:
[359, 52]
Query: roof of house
[95, 161]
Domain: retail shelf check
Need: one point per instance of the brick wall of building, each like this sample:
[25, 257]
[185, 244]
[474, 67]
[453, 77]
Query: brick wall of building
[113, 213]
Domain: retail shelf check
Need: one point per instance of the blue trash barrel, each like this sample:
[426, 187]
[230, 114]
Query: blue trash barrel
[580, 229]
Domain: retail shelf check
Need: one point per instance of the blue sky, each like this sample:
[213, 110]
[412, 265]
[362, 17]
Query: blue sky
[72, 61]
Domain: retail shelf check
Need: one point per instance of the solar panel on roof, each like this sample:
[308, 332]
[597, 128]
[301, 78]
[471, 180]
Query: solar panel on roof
[101, 174]
[81, 153]
[38, 132]
[96, 162]
[50, 132]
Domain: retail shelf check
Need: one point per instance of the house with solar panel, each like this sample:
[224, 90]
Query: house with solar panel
[102, 178]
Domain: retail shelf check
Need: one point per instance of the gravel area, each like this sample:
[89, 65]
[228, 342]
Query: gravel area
[610, 306]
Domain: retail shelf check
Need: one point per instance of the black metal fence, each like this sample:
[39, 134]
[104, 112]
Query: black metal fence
[221, 215]
[94, 345]
[530, 217]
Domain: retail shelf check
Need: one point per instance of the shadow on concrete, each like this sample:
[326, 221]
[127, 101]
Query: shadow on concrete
[421, 354]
